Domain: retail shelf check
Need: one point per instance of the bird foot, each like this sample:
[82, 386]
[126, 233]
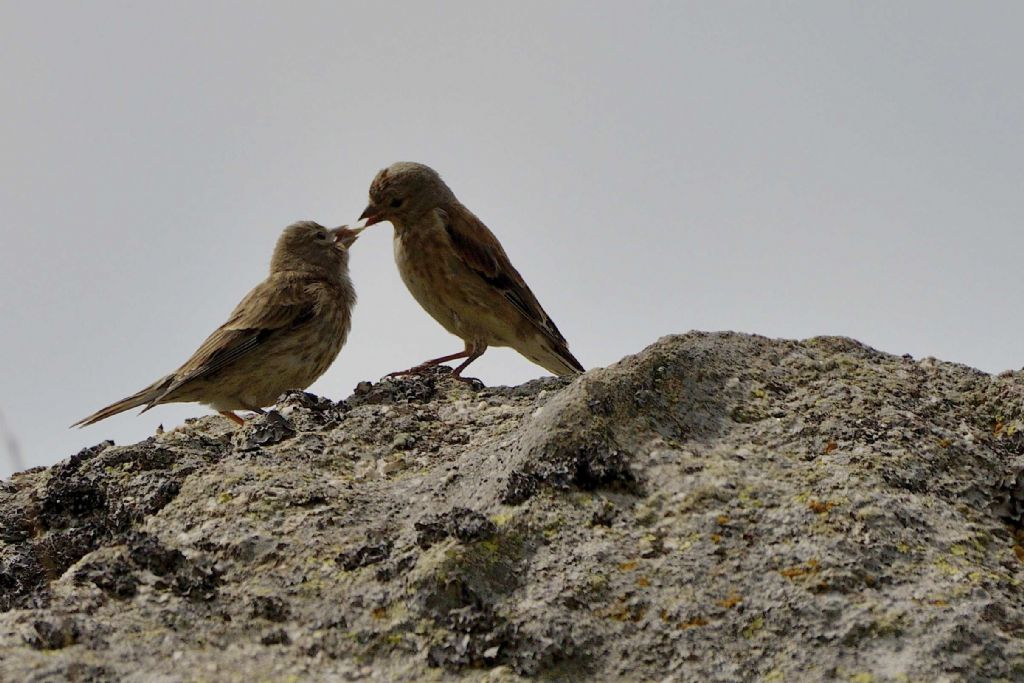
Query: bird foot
[437, 362]
[475, 383]
[423, 369]
[256, 412]
[418, 370]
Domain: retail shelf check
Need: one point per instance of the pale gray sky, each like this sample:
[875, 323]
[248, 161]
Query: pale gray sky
[790, 169]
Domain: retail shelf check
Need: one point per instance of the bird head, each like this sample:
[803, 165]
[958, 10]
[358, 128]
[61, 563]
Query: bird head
[403, 191]
[309, 246]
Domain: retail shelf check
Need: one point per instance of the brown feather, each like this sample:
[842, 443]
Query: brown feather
[278, 304]
[480, 250]
[456, 269]
[283, 335]
[140, 398]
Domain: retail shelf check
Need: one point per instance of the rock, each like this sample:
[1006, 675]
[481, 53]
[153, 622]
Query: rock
[271, 608]
[53, 635]
[374, 551]
[265, 430]
[465, 525]
[718, 507]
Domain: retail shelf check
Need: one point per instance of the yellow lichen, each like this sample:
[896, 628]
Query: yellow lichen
[820, 507]
[731, 601]
[696, 622]
[753, 627]
[806, 569]
[501, 519]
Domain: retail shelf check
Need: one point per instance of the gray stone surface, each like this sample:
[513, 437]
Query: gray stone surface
[719, 507]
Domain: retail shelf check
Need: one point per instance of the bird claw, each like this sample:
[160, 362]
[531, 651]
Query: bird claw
[242, 419]
[418, 370]
[427, 367]
[475, 383]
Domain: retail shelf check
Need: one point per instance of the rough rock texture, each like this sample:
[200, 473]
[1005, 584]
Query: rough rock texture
[719, 507]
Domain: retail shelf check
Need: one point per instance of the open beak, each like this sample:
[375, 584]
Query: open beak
[346, 236]
[372, 215]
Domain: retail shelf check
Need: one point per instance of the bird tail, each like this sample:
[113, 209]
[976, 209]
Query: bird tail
[146, 397]
[560, 362]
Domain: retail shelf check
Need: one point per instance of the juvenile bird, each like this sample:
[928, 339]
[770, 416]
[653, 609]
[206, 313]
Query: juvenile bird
[458, 272]
[283, 335]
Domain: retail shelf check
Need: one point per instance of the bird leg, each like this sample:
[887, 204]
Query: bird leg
[457, 372]
[241, 420]
[426, 365]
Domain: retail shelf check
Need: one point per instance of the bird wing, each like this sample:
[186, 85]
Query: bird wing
[270, 308]
[480, 250]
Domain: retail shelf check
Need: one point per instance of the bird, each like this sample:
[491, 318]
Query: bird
[457, 270]
[283, 335]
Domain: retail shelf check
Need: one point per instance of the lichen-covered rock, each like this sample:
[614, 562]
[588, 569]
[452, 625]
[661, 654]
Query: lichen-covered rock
[719, 507]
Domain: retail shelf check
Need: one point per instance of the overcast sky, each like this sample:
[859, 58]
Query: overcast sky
[790, 169]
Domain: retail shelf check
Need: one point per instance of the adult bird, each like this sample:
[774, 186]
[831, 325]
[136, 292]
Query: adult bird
[456, 269]
[283, 335]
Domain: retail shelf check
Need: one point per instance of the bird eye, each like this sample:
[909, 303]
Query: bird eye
[321, 235]
[395, 203]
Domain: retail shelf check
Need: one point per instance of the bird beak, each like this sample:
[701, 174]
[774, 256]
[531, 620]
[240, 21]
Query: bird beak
[345, 236]
[372, 215]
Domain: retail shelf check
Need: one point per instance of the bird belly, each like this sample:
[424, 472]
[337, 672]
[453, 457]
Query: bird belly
[301, 360]
[430, 279]
[292, 361]
[453, 295]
